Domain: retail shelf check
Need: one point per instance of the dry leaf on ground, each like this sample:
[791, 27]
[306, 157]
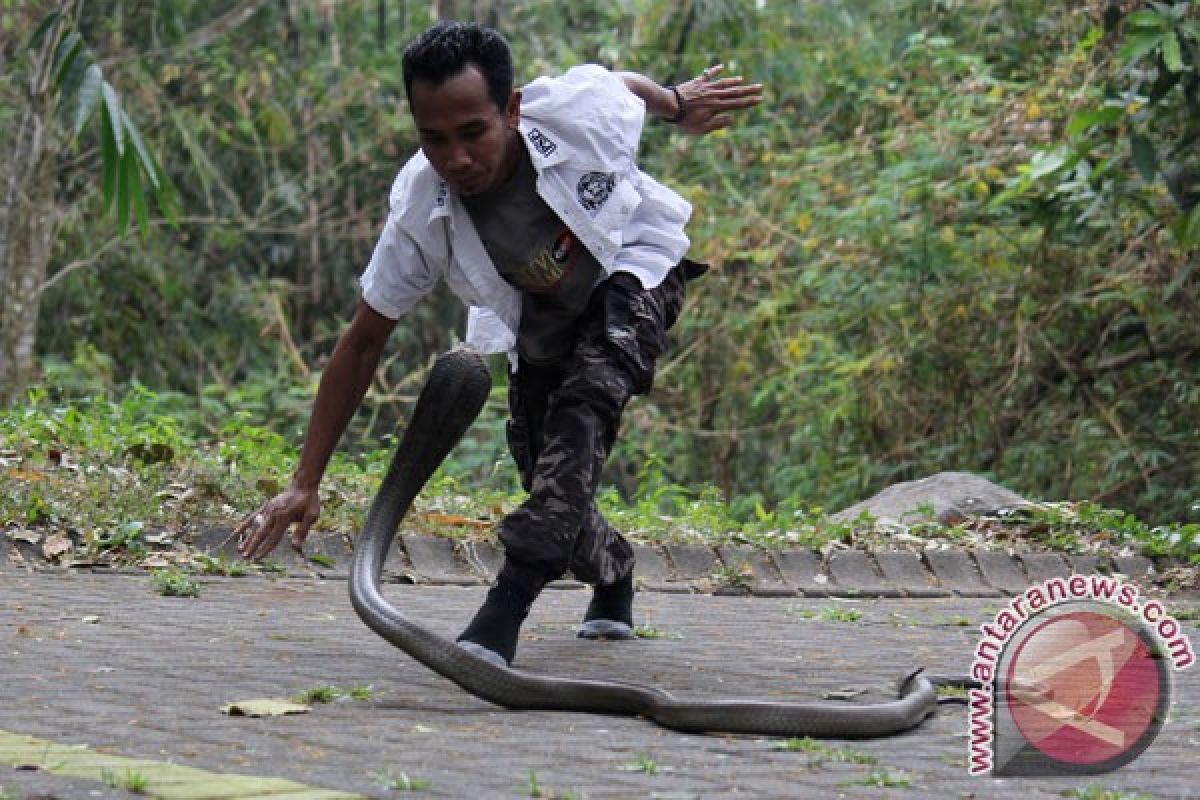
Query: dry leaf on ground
[264, 707]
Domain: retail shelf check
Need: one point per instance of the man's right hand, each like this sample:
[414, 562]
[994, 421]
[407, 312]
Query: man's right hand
[260, 532]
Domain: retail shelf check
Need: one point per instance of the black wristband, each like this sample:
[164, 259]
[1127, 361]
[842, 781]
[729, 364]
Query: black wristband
[682, 112]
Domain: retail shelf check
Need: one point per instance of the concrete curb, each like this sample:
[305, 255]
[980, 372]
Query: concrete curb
[854, 574]
[906, 570]
[956, 570]
[689, 568]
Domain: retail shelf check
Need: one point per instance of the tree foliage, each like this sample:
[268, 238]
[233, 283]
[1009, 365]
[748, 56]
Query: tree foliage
[958, 235]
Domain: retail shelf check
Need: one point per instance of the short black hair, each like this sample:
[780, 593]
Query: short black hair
[444, 50]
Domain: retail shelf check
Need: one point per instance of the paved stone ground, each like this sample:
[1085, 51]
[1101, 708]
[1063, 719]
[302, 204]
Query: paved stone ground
[149, 676]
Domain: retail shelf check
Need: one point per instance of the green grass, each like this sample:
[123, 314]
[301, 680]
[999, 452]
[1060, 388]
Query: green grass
[952, 691]
[209, 565]
[403, 782]
[115, 469]
[835, 614]
[329, 693]
[647, 631]
[318, 694]
[643, 763]
[173, 583]
[883, 779]
[130, 781]
[826, 752]
[1094, 792]
[738, 575]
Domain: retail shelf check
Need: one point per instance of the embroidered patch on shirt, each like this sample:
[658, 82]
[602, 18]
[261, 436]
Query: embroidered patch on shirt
[544, 144]
[594, 189]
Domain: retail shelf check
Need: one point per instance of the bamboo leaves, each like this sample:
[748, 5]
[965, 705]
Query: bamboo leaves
[129, 168]
[87, 97]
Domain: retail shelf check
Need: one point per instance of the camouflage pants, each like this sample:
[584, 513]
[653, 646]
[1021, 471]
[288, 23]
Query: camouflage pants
[564, 421]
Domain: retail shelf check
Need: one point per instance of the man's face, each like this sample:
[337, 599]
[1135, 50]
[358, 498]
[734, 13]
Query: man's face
[468, 140]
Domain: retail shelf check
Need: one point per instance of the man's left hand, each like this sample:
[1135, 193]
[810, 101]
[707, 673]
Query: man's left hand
[708, 100]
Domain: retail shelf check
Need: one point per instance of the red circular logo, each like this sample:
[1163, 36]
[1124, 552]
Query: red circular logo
[1087, 690]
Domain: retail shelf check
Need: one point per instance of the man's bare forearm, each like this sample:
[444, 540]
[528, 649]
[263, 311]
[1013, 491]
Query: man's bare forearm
[345, 381]
[343, 384]
[659, 100]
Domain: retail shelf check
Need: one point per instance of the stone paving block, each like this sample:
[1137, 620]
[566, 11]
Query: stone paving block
[692, 563]
[4, 562]
[1001, 570]
[290, 635]
[853, 574]
[433, 559]
[957, 572]
[1089, 564]
[485, 558]
[767, 582]
[216, 542]
[651, 570]
[1043, 566]
[803, 570]
[904, 569]
[396, 566]
[327, 546]
[1135, 567]
[220, 543]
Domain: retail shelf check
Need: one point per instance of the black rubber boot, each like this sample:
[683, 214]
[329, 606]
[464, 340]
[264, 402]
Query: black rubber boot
[610, 614]
[492, 634]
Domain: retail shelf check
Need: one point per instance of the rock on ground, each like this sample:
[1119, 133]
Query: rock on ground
[947, 496]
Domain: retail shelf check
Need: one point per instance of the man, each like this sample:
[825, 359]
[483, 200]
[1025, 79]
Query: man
[530, 205]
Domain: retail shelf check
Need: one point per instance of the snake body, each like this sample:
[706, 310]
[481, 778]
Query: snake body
[451, 399]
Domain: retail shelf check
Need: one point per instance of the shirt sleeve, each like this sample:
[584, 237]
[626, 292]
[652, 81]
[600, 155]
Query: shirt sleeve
[398, 274]
[591, 104]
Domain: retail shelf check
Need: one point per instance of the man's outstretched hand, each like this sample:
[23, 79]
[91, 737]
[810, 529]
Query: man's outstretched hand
[709, 100]
[259, 533]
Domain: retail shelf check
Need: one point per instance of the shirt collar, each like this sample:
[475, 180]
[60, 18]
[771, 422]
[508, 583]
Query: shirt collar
[545, 150]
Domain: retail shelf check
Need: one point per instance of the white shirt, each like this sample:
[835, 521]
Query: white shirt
[582, 131]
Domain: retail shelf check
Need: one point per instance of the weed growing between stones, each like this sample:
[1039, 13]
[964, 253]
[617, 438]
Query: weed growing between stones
[648, 632]
[219, 565]
[643, 763]
[1095, 792]
[130, 781]
[883, 779]
[403, 782]
[825, 752]
[733, 576]
[835, 614]
[329, 694]
[173, 583]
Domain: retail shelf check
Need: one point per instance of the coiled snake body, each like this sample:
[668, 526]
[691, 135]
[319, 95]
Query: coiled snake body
[452, 397]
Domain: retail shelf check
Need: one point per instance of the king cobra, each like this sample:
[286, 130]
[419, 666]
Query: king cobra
[451, 399]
